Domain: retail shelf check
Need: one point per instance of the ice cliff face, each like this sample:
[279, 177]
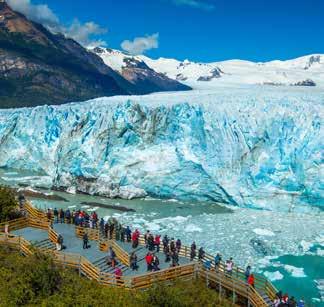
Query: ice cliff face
[248, 147]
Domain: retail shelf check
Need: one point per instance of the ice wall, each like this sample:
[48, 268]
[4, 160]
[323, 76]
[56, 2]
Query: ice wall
[243, 147]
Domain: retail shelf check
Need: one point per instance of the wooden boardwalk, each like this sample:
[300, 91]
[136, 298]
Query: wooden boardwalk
[35, 231]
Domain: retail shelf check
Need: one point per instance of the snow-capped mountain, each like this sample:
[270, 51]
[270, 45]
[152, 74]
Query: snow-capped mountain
[307, 70]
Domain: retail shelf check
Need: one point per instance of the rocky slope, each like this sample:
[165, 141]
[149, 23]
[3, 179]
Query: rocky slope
[38, 67]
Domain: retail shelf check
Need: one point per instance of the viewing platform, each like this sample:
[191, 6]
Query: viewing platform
[36, 232]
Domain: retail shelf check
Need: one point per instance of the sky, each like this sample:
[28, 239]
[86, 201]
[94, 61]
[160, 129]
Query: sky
[198, 30]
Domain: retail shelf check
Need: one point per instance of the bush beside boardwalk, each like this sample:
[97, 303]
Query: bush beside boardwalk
[37, 281]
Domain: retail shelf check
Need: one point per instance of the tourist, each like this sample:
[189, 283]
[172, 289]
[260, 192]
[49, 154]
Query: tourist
[133, 261]
[301, 303]
[135, 238]
[207, 265]
[102, 226]
[155, 263]
[247, 272]
[285, 298]
[157, 242]
[292, 302]
[251, 280]
[111, 257]
[94, 219]
[229, 266]
[49, 215]
[85, 241]
[59, 245]
[276, 302]
[193, 251]
[172, 245]
[128, 234]
[165, 242]
[167, 253]
[146, 236]
[201, 254]
[118, 276]
[55, 215]
[111, 231]
[68, 216]
[150, 242]
[61, 216]
[122, 234]
[218, 260]
[149, 260]
[106, 230]
[178, 245]
[175, 258]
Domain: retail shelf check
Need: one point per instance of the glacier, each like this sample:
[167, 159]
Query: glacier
[248, 146]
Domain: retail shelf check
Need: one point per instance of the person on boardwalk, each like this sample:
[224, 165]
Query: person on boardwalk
[150, 242]
[122, 234]
[55, 215]
[49, 214]
[165, 242]
[175, 258]
[106, 230]
[193, 251]
[201, 254]
[149, 260]
[135, 238]
[118, 276]
[172, 245]
[218, 259]
[178, 245]
[59, 245]
[111, 231]
[157, 242]
[68, 216]
[229, 266]
[85, 241]
[111, 257]
[146, 236]
[247, 273]
[102, 226]
[128, 234]
[167, 253]
[61, 216]
[133, 261]
[155, 263]
[251, 280]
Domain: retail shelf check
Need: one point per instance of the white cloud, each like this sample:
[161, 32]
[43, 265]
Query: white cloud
[83, 33]
[141, 44]
[195, 4]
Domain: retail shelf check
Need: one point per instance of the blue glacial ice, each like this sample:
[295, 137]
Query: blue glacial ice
[256, 147]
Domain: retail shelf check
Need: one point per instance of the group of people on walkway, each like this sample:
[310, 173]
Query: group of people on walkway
[283, 300]
[112, 229]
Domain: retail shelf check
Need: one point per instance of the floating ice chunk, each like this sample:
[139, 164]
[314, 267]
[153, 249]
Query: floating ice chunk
[71, 190]
[273, 275]
[305, 245]
[85, 207]
[192, 228]
[72, 206]
[263, 232]
[294, 271]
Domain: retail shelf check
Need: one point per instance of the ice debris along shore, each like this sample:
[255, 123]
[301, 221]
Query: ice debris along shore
[252, 146]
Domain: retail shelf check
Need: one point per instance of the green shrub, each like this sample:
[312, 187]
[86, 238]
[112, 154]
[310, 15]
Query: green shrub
[8, 204]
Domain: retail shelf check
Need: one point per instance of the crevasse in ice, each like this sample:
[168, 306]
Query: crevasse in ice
[248, 147]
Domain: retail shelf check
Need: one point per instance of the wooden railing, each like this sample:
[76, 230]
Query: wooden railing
[93, 234]
[121, 254]
[52, 235]
[16, 224]
[217, 278]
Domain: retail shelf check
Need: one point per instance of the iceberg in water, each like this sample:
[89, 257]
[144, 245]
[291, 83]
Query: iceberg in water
[258, 147]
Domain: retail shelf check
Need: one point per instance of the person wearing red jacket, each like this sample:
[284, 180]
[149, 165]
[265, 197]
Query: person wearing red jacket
[157, 241]
[251, 280]
[149, 260]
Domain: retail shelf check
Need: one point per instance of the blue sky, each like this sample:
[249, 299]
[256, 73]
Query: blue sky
[209, 30]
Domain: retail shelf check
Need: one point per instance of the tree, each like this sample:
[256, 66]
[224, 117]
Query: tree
[8, 204]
